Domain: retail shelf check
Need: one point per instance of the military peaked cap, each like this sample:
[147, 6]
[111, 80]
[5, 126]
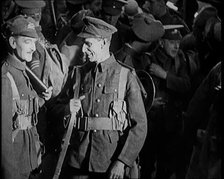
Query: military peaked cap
[96, 28]
[172, 34]
[30, 6]
[30, 3]
[113, 7]
[21, 25]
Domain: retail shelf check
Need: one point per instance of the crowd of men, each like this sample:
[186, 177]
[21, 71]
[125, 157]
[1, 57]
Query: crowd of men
[126, 89]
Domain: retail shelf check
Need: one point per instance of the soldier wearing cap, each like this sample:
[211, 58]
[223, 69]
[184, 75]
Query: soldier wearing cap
[20, 142]
[111, 11]
[162, 13]
[172, 83]
[105, 146]
[144, 31]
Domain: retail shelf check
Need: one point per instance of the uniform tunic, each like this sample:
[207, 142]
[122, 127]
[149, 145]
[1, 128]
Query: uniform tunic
[20, 155]
[95, 150]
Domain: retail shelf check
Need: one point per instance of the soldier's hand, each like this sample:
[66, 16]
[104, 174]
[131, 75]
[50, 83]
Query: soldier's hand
[157, 70]
[117, 170]
[75, 104]
[48, 93]
[159, 101]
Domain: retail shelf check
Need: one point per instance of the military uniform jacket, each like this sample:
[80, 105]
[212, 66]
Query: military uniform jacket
[94, 150]
[173, 89]
[19, 155]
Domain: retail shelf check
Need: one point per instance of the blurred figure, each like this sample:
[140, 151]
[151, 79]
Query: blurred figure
[143, 32]
[161, 12]
[205, 40]
[111, 11]
[74, 14]
[203, 126]
[168, 68]
[131, 9]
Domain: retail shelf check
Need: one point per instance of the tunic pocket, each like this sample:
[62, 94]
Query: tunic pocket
[113, 136]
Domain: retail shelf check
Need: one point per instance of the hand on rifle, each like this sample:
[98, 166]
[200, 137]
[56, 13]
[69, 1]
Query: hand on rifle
[48, 93]
[75, 104]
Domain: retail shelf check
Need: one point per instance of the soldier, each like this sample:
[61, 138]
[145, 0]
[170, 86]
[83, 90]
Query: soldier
[109, 143]
[144, 31]
[111, 11]
[48, 63]
[20, 103]
[169, 72]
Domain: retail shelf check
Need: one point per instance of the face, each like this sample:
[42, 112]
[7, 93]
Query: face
[96, 7]
[92, 49]
[152, 6]
[110, 19]
[171, 47]
[23, 47]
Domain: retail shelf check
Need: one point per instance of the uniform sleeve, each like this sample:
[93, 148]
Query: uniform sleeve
[137, 133]
[8, 165]
[198, 108]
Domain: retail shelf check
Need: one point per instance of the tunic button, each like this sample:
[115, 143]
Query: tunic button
[115, 90]
[99, 85]
[98, 100]
[22, 94]
[96, 115]
[94, 130]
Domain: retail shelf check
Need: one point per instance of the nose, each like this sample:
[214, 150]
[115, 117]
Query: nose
[84, 47]
[33, 46]
[177, 45]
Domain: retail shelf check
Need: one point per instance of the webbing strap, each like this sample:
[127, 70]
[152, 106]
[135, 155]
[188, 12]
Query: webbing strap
[15, 92]
[122, 83]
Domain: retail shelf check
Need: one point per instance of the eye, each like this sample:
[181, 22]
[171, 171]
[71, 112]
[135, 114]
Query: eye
[27, 41]
[89, 44]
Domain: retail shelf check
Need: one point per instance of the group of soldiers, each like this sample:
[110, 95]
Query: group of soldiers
[111, 89]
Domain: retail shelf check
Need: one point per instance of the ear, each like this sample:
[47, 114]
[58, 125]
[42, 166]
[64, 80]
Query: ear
[161, 43]
[103, 42]
[12, 42]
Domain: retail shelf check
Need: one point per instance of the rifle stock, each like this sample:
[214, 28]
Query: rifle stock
[37, 84]
[65, 144]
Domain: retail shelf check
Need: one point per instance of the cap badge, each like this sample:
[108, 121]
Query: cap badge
[31, 26]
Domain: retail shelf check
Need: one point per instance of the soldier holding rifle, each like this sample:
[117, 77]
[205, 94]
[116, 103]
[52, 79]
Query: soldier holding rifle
[111, 124]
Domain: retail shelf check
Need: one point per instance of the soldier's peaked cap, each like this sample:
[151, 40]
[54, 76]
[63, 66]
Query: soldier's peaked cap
[172, 32]
[113, 7]
[96, 28]
[30, 3]
[21, 26]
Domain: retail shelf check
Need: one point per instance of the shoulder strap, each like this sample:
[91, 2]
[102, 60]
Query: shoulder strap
[122, 83]
[15, 92]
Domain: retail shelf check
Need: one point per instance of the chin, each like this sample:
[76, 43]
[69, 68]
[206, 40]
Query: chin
[28, 59]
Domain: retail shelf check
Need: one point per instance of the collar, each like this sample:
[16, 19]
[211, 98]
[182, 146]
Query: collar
[15, 62]
[103, 66]
[129, 50]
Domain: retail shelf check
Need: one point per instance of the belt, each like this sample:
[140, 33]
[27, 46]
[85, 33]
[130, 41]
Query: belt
[96, 123]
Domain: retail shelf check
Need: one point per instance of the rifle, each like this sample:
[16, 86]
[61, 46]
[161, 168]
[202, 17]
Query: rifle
[67, 136]
[64, 147]
[54, 16]
[37, 84]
